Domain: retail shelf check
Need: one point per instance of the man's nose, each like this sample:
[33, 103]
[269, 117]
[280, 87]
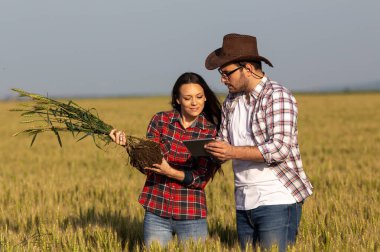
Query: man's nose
[223, 80]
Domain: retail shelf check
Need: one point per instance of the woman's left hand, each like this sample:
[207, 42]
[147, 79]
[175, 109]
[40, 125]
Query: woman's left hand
[165, 169]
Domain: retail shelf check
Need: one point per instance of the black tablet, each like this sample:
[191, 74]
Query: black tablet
[196, 146]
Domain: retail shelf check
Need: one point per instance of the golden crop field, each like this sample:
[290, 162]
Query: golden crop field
[80, 198]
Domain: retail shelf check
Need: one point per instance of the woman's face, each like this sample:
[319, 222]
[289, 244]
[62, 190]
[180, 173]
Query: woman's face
[192, 100]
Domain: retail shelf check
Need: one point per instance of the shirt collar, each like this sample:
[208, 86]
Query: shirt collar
[259, 87]
[200, 122]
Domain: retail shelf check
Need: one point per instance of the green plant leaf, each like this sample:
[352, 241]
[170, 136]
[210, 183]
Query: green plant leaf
[83, 137]
[33, 139]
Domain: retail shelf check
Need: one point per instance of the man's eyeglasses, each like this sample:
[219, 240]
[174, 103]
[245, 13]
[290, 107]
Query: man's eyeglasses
[226, 75]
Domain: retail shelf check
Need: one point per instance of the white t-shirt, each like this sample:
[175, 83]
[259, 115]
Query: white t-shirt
[255, 183]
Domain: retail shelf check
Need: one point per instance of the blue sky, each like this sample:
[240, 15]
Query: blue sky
[119, 47]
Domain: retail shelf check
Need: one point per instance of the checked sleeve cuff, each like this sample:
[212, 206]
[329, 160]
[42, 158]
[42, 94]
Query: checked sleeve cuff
[266, 153]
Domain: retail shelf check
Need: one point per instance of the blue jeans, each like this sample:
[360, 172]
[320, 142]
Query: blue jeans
[269, 225]
[161, 229]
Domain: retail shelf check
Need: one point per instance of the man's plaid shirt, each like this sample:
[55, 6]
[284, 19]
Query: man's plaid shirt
[274, 129]
[168, 197]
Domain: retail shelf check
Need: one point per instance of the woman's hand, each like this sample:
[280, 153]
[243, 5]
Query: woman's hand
[165, 169]
[118, 137]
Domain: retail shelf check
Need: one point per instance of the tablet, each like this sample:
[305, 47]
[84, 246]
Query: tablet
[196, 146]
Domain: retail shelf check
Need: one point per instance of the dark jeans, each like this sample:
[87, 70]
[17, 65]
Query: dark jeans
[269, 225]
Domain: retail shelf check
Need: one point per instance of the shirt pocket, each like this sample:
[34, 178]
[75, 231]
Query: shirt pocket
[165, 144]
[259, 127]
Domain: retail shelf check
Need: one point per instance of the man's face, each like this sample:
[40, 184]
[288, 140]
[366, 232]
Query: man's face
[233, 77]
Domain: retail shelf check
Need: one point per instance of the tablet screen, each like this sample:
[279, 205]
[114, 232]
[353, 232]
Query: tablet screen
[195, 146]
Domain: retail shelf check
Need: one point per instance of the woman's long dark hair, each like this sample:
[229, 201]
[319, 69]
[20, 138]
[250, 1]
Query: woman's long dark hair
[212, 109]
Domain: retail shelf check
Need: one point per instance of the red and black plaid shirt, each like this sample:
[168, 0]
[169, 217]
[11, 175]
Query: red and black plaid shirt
[168, 197]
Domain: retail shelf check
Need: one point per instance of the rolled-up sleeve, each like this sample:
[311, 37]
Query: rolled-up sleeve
[280, 120]
[205, 170]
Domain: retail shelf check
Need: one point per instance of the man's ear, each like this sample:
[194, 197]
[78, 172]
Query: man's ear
[250, 67]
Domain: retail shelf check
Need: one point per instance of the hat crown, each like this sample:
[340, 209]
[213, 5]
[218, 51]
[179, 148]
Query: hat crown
[235, 48]
[237, 45]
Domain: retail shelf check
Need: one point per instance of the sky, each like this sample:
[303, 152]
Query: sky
[97, 48]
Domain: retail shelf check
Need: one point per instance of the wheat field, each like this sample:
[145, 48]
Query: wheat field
[81, 198]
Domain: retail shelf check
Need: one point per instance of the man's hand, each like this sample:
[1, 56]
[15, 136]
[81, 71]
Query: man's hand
[220, 150]
[223, 151]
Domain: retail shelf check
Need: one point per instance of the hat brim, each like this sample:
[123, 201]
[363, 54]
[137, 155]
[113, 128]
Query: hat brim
[215, 59]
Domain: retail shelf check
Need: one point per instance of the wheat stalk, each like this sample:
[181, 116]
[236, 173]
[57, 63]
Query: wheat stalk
[48, 115]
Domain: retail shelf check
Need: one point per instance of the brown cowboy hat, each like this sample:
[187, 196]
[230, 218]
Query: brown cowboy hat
[235, 48]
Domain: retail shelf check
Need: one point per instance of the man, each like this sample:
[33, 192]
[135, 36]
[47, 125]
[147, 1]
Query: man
[259, 133]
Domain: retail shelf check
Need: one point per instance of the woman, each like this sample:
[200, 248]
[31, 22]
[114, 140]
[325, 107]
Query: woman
[173, 195]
